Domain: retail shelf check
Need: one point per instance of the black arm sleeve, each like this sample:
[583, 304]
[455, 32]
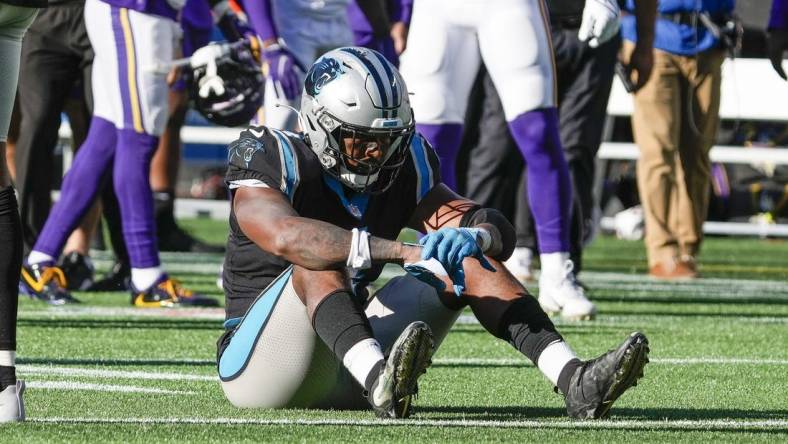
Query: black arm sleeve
[503, 236]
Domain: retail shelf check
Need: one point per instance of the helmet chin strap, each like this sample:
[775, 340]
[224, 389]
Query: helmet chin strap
[301, 121]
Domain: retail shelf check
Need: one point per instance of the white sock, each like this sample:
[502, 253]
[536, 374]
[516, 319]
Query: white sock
[37, 257]
[7, 358]
[524, 254]
[553, 264]
[361, 359]
[143, 278]
[553, 359]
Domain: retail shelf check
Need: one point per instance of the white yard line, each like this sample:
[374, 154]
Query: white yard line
[46, 370]
[70, 385]
[128, 312]
[637, 320]
[663, 361]
[704, 424]
[603, 277]
[593, 278]
[112, 374]
[217, 314]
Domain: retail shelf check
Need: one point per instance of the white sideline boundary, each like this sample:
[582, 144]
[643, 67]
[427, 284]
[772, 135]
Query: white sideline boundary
[663, 361]
[70, 385]
[45, 370]
[667, 424]
[112, 374]
[633, 321]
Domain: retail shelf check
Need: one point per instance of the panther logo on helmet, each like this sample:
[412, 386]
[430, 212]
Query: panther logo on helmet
[324, 71]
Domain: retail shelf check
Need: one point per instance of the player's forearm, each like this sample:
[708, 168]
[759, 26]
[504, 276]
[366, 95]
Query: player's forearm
[645, 20]
[318, 245]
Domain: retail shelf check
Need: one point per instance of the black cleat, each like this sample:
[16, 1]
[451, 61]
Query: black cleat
[45, 283]
[174, 238]
[78, 270]
[118, 279]
[391, 394]
[599, 382]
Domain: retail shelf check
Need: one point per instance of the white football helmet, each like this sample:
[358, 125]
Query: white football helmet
[355, 92]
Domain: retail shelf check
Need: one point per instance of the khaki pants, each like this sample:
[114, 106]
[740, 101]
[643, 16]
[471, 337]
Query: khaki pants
[674, 122]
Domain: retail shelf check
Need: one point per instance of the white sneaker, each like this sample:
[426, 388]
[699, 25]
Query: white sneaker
[563, 294]
[630, 223]
[520, 264]
[12, 407]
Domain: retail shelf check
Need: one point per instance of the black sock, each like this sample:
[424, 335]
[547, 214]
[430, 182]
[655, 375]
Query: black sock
[340, 322]
[164, 208]
[10, 266]
[566, 374]
[527, 327]
[7, 376]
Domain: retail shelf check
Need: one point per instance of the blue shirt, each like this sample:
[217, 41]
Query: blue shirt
[676, 38]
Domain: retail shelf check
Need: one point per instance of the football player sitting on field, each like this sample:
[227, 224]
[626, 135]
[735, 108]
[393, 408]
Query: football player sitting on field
[314, 219]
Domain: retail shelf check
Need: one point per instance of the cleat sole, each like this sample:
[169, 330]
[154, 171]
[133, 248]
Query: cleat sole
[630, 370]
[413, 359]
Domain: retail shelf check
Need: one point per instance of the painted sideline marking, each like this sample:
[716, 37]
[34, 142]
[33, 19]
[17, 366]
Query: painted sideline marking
[217, 314]
[112, 374]
[185, 313]
[667, 361]
[706, 424]
[43, 370]
[70, 385]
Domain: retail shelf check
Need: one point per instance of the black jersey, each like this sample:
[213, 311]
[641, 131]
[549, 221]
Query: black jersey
[283, 161]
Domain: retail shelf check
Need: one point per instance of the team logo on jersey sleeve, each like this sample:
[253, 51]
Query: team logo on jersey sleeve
[244, 149]
[322, 73]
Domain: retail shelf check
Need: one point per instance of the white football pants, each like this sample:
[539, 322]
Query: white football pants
[274, 358]
[448, 39]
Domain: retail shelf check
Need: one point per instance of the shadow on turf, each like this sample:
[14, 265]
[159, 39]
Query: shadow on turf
[186, 324]
[524, 413]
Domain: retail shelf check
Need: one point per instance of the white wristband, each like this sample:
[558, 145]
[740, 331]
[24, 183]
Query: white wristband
[359, 257]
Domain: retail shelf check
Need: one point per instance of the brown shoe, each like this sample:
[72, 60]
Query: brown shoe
[690, 263]
[673, 271]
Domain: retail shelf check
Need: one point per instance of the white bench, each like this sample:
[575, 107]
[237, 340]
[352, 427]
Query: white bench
[751, 90]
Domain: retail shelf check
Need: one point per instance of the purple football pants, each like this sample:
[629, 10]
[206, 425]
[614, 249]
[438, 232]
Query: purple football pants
[129, 154]
[549, 187]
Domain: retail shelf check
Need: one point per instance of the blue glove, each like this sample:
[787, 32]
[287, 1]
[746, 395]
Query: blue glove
[450, 246]
[282, 66]
[420, 271]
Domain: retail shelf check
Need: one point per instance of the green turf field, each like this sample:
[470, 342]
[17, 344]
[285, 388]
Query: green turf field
[105, 372]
